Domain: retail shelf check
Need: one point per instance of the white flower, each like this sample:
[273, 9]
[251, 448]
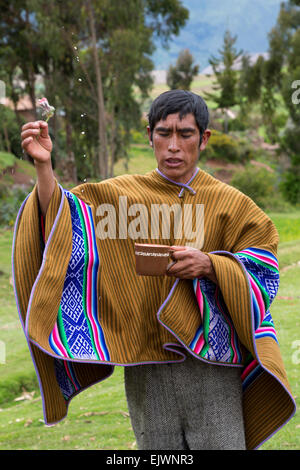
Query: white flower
[47, 110]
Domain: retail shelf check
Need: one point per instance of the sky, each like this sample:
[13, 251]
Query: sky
[250, 20]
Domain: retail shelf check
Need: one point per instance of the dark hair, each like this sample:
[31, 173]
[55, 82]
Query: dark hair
[182, 102]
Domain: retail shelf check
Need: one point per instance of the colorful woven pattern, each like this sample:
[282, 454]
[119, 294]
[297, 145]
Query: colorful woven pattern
[66, 377]
[263, 275]
[216, 339]
[77, 333]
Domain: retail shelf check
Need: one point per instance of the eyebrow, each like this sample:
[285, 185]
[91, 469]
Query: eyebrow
[183, 129]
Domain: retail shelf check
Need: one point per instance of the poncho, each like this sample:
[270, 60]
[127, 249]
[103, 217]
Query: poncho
[84, 309]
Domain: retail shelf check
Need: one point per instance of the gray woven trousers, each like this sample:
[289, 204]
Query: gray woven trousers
[190, 405]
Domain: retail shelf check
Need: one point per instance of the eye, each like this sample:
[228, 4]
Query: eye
[186, 136]
[163, 134]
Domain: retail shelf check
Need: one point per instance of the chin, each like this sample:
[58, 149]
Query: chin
[174, 174]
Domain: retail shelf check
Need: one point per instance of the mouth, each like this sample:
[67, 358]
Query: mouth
[173, 162]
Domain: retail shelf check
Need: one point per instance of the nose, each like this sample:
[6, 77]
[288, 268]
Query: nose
[173, 143]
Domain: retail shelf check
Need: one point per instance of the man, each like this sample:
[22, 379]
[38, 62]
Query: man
[84, 308]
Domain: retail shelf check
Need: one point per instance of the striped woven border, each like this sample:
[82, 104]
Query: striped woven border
[71, 376]
[58, 339]
[260, 298]
[260, 303]
[251, 371]
[200, 343]
[260, 256]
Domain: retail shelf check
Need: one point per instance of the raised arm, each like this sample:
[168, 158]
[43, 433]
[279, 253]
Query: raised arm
[37, 143]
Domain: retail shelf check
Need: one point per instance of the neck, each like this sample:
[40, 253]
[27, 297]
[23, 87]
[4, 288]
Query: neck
[182, 185]
[184, 182]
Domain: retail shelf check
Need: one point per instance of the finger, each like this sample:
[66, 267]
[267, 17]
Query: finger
[176, 249]
[183, 248]
[176, 268]
[29, 132]
[44, 129]
[188, 252]
[170, 265]
[180, 255]
[31, 125]
[181, 274]
[26, 142]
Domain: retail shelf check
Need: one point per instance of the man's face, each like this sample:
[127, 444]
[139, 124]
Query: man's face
[176, 144]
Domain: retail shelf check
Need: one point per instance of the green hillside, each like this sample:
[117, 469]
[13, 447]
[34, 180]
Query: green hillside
[250, 20]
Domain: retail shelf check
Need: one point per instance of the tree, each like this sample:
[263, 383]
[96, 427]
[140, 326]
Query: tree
[269, 100]
[250, 81]
[94, 59]
[226, 76]
[102, 131]
[284, 40]
[20, 51]
[30, 34]
[181, 75]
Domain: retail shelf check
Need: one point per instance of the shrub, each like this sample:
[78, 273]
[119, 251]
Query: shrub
[257, 183]
[10, 202]
[139, 137]
[238, 124]
[290, 185]
[224, 147]
[8, 120]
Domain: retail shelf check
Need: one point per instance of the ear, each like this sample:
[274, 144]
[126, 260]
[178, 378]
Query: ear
[205, 139]
[149, 136]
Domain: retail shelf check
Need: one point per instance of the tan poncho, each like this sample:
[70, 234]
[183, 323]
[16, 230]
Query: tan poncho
[84, 309]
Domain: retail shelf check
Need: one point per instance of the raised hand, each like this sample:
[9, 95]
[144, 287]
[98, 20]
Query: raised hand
[36, 141]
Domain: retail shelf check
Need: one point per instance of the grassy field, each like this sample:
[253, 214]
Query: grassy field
[201, 84]
[10, 163]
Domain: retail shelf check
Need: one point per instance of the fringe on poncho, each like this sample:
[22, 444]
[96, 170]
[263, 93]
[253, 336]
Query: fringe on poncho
[84, 309]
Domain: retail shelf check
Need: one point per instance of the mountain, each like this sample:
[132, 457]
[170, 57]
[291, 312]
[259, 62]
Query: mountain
[249, 20]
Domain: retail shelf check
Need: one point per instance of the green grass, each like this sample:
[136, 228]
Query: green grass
[25, 167]
[9, 161]
[200, 85]
[288, 226]
[141, 160]
[98, 417]
[15, 374]
[6, 160]
[285, 313]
